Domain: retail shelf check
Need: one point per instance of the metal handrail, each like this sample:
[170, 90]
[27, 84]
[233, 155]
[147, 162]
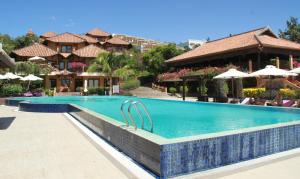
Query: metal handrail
[135, 103]
[123, 114]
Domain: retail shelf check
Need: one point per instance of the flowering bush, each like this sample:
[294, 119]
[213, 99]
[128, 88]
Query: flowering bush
[78, 65]
[173, 75]
[253, 92]
[287, 93]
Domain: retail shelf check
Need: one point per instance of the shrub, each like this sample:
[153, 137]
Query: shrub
[202, 90]
[186, 89]
[287, 93]
[253, 92]
[12, 90]
[297, 94]
[97, 91]
[49, 92]
[130, 84]
[172, 90]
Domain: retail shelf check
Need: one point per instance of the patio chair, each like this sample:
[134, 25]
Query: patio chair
[245, 101]
[288, 103]
[28, 94]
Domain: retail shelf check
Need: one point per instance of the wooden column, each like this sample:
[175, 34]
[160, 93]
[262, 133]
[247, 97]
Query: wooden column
[250, 66]
[183, 89]
[291, 61]
[258, 60]
[277, 62]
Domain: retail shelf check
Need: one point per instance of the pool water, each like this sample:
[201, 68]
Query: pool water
[173, 119]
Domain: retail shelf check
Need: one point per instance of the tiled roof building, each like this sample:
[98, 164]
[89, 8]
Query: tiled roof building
[249, 50]
[71, 54]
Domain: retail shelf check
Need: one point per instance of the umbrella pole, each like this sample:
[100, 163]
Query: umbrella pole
[28, 85]
[232, 88]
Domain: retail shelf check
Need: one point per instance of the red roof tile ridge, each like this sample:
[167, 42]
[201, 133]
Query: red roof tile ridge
[242, 33]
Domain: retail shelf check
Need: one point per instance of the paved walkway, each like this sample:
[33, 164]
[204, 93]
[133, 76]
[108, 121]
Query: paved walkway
[147, 92]
[45, 145]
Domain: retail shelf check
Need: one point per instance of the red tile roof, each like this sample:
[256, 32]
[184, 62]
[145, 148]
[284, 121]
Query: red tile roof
[98, 33]
[48, 34]
[116, 41]
[268, 41]
[65, 55]
[90, 51]
[66, 38]
[90, 40]
[259, 37]
[35, 49]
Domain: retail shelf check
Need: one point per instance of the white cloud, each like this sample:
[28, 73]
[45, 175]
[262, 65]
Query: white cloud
[52, 18]
[70, 23]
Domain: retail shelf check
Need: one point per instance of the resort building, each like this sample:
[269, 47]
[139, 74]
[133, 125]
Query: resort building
[192, 43]
[5, 60]
[70, 55]
[250, 51]
[141, 43]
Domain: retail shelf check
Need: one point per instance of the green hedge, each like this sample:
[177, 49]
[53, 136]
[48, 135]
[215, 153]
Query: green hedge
[186, 89]
[12, 90]
[130, 84]
[96, 91]
[172, 90]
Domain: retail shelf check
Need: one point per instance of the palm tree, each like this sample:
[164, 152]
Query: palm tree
[109, 63]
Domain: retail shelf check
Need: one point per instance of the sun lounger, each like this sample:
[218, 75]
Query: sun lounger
[28, 94]
[37, 94]
[287, 103]
[246, 101]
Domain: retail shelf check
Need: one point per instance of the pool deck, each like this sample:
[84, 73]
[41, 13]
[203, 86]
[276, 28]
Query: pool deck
[40, 145]
[47, 145]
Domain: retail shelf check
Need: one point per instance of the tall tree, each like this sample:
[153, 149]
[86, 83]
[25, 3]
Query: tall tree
[154, 59]
[292, 32]
[109, 63]
[26, 40]
[8, 43]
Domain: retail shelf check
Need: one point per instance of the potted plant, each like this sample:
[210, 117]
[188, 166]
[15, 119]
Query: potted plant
[172, 90]
[202, 91]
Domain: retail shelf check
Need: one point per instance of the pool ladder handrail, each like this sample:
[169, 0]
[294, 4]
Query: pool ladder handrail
[135, 104]
[123, 114]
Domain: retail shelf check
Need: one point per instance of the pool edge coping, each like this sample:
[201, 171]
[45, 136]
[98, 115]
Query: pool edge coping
[160, 140]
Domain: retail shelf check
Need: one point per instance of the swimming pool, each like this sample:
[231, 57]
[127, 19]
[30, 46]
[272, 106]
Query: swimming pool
[187, 137]
[173, 119]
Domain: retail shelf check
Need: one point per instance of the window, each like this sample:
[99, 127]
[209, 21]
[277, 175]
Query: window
[93, 83]
[66, 49]
[52, 83]
[69, 66]
[65, 82]
[61, 65]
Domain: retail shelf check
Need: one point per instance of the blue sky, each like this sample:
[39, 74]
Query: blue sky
[165, 20]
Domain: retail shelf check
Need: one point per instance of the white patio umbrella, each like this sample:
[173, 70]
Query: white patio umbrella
[232, 74]
[271, 70]
[2, 77]
[295, 70]
[36, 58]
[11, 76]
[31, 78]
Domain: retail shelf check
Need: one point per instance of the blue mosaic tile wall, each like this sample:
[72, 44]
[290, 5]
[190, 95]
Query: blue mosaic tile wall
[200, 155]
[11, 102]
[53, 108]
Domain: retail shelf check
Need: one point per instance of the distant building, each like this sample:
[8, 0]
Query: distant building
[192, 43]
[70, 55]
[141, 43]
